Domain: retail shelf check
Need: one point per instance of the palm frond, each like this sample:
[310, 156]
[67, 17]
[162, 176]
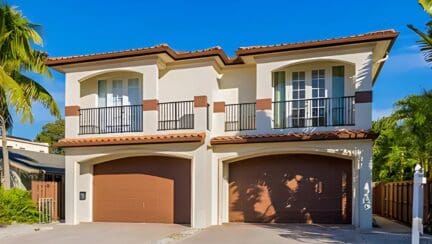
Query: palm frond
[34, 92]
[15, 95]
[425, 43]
[426, 5]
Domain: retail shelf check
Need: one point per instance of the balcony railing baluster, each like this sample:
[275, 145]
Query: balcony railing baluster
[176, 115]
[111, 119]
[316, 112]
[240, 117]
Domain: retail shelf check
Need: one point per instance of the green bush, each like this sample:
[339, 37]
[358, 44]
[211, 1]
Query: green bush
[16, 206]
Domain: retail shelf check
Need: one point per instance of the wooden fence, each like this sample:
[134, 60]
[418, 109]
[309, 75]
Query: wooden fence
[44, 190]
[394, 200]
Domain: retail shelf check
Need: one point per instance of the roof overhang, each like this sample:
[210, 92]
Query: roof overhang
[294, 137]
[243, 54]
[132, 140]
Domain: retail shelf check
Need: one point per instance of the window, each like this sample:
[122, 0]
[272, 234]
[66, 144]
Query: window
[318, 98]
[117, 93]
[299, 95]
[102, 93]
[279, 99]
[134, 92]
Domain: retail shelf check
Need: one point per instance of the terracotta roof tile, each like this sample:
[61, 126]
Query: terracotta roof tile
[217, 51]
[371, 36]
[325, 135]
[127, 140]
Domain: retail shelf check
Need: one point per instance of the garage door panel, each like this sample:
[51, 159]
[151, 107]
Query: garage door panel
[290, 188]
[142, 189]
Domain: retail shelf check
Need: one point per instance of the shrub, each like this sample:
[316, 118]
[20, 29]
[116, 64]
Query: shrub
[17, 206]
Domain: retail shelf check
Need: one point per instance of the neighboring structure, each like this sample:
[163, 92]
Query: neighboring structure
[275, 134]
[26, 144]
[28, 165]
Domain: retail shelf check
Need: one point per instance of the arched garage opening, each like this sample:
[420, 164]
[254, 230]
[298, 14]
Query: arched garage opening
[149, 189]
[290, 188]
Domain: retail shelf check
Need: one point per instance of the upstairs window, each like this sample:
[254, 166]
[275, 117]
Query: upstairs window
[318, 92]
[298, 95]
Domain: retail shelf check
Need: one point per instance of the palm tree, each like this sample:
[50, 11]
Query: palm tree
[426, 38]
[17, 56]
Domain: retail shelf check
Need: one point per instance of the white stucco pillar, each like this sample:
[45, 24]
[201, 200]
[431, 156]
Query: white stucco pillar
[72, 171]
[150, 96]
[201, 189]
[72, 103]
[201, 117]
[364, 184]
[363, 92]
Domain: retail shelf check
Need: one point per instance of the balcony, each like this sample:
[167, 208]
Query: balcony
[118, 119]
[179, 115]
[318, 112]
[176, 115]
[239, 117]
[183, 115]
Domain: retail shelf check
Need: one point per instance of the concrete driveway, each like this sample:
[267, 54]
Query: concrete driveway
[105, 233]
[292, 233]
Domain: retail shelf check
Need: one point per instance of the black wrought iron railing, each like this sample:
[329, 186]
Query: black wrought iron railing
[240, 117]
[315, 112]
[118, 119]
[176, 115]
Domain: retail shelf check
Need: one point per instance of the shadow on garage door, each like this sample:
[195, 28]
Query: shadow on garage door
[292, 188]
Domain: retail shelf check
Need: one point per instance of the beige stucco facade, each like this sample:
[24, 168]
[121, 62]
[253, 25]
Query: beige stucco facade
[167, 80]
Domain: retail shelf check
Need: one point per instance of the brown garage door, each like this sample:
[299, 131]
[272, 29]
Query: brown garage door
[291, 188]
[143, 189]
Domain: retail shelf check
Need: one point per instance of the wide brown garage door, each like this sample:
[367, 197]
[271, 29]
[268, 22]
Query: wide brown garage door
[291, 188]
[143, 189]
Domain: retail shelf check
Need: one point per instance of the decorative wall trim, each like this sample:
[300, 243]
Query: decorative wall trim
[150, 105]
[200, 101]
[363, 97]
[72, 110]
[219, 107]
[264, 104]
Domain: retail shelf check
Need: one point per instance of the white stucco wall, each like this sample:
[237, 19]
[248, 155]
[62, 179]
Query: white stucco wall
[209, 174]
[183, 82]
[234, 84]
[17, 143]
[237, 85]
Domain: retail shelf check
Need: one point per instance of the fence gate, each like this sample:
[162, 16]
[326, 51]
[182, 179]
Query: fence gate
[46, 210]
[45, 195]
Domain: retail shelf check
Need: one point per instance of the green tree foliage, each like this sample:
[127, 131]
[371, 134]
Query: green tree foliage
[425, 37]
[17, 206]
[18, 36]
[51, 133]
[405, 139]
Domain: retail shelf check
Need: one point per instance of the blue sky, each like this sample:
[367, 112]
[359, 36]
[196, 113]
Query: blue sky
[81, 27]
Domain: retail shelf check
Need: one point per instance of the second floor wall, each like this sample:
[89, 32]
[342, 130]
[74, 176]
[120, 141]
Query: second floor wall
[324, 88]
